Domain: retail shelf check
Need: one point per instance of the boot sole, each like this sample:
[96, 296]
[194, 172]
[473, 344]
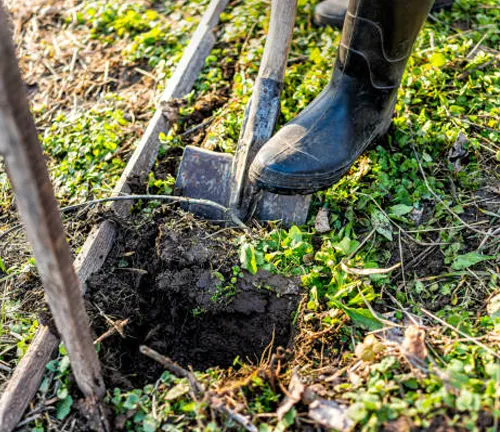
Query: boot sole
[299, 190]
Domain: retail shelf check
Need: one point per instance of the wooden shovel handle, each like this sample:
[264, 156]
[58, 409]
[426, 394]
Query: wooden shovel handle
[278, 39]
[263, 109]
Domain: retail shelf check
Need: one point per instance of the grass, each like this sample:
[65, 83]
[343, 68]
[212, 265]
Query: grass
[410, 201]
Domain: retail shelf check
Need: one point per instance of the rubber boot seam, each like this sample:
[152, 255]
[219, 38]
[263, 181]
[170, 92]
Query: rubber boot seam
[382, 42]
[379, 87]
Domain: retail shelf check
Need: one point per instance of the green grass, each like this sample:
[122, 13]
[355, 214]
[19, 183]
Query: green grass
[451, 87]
[84, 151]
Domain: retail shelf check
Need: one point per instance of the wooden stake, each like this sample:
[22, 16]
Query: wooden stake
[27, 376]
[40, 214]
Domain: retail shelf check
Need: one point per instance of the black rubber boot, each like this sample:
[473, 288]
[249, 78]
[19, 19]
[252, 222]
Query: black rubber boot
[332, 12]
[318, 147]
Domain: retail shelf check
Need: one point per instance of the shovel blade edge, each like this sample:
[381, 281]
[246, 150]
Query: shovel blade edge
[289, 209]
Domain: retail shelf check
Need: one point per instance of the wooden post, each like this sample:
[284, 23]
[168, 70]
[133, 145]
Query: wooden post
[27, 376]
[40, 213]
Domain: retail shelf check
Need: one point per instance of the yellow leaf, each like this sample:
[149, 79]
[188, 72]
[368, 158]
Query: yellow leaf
[315, 56]
[437, 60]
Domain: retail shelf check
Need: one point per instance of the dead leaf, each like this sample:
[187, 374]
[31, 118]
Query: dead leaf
[177, 391]
[414, 342]
[171, 109]
[295, 392]
[416, 215]
[322, 223]
[313, 391]
[493, 306]
[308, 258]
[121, 420]
[355, 379]
[330, 414]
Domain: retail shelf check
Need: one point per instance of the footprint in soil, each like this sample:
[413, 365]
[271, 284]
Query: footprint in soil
[164, 282]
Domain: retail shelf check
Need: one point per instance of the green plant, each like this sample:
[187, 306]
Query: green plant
[60, 368]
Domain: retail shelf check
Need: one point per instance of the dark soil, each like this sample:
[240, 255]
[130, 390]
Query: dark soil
[167, 281]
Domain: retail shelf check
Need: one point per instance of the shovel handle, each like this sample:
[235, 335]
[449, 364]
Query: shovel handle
[278, 40]
[263, 109]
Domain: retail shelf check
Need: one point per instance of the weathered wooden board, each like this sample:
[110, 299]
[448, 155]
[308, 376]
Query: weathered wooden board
[28, 374]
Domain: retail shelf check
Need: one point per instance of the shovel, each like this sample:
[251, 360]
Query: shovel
[223, 178]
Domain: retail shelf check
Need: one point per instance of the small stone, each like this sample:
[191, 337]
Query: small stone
[322, 223]
[414, 342]
[458, 152]
[330, 414]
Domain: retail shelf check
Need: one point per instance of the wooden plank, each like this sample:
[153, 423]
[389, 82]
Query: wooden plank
[184, 77]
[39, 211]
[26, 379]
[24, 382]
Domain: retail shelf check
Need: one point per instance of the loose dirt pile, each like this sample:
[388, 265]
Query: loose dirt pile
[183, 297]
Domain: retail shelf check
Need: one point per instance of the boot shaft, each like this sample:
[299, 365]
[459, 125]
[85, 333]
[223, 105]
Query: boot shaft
[378, 38]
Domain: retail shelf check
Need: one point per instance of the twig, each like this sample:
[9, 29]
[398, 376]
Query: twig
[420, 257]
[447, 275]
[198, 126]
[218, 405]
[33, 417]
[375, 315]
[465, 74]
[474, 49]
[491, 233]
[367, 271]
[235, 219]
[401, 257]
[403, 309]
[173, 367]
[117, 328]
[461, 333]
[10, 230]
[447, 228]
[363, 242]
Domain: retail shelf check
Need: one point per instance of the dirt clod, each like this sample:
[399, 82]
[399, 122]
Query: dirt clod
[178, 288]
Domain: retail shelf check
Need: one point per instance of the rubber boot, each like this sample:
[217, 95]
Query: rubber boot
[332, 12]
[318, 147]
